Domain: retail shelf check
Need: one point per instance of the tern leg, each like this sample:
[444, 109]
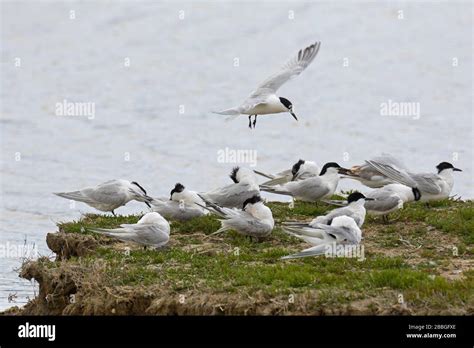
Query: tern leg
[250, 121]
[255, 121]
[113, 213]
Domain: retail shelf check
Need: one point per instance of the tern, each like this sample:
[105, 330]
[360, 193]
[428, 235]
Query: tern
[387, 199]
[263, 100]
[151, 230]
[342, 231]
[311, 189]
[354, 209]
[299, 171]
[245, 186]
[255, 219]
[369, 176]
[109, 195]
[181, 206]
[432, 186]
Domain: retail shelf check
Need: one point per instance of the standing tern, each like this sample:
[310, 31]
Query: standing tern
[245, 186]
[151, 230]
[263, 100]
[109, 195]
[255, 219]
[432, 186]
[181, 206]
[369, 176]
[342, 231]
[390, 198]
[355, 209]
[311, 189]
[300, 170]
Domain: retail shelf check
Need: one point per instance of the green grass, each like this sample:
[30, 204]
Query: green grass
[236, 264]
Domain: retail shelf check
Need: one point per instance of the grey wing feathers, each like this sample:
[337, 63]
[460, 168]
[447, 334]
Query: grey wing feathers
[393, 173]
[292, 68]
[314, 251]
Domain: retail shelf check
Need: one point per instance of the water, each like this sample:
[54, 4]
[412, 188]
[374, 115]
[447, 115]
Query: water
[189, 63]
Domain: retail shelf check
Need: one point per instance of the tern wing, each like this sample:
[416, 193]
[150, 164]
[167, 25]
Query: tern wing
[147, 234]
[343, 235]
[400, 176]
[428, 182]
[291, 69]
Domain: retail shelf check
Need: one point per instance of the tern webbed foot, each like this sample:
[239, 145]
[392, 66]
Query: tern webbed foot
[250, 121]
[255, 121]
[113, 213]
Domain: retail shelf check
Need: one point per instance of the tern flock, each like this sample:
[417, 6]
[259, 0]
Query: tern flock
[240, 207]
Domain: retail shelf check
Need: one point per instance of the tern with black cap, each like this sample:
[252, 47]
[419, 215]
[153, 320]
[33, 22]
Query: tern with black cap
[263, 100]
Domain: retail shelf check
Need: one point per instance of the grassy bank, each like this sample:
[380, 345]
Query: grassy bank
[419, 263]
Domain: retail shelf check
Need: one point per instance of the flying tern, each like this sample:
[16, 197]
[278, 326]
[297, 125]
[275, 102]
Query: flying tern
[263, 100]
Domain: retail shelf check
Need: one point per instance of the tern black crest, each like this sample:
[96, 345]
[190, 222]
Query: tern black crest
[286, 102]
[141, 188]
[329, 165]
[252, 200]
[296, 167]
[446, 165]
[233, 174]
[416, 193]
[177, 188]
[354, 197]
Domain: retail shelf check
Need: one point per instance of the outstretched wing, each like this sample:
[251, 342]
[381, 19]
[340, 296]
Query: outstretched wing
[426, 182]
[291, 69]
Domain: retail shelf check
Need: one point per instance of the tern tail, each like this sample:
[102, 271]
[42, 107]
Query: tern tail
[231, 111]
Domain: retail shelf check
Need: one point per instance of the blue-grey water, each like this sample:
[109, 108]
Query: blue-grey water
[155, 70]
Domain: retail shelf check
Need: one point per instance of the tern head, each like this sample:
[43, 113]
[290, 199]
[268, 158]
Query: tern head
[140, 194]
[296, 168]
[177, 188]
[446, 166]
[416, 193]
[233, 174]
[289, 106]
[252, 200]
[355, 196]
[331, 167]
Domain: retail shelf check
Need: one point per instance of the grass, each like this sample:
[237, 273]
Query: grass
[412, 255]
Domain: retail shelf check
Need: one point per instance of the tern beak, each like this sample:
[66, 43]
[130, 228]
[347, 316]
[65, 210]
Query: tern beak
[294, 116]
[457, 170]
[369, 199]
[343, 170]
[294, 177]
